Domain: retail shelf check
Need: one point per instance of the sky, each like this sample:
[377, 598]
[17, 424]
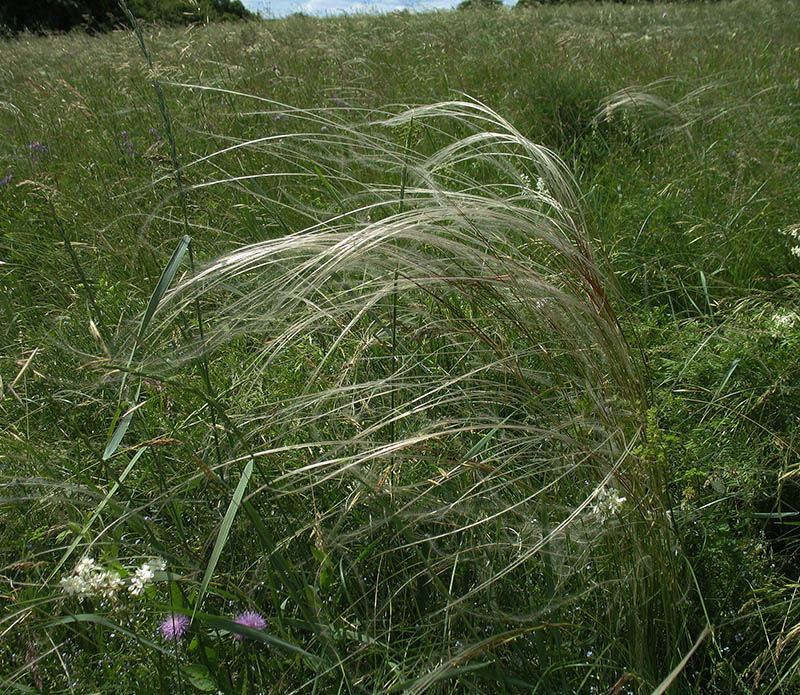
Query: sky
[281, 8]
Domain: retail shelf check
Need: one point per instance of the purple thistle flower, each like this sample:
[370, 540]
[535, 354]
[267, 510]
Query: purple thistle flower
[174, 626]
[250, 619]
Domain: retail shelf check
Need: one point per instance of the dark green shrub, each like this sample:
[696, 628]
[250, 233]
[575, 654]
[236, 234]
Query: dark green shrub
[479, 4]
[96, 15]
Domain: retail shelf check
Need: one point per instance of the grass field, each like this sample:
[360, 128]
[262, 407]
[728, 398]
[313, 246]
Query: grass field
[449, 352]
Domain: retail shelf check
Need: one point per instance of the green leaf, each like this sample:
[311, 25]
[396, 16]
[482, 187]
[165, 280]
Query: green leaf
[158, 294]
[164, 283]
[80, 534]
[250, 633]
[116, 438]
[224, 530]
[104, 622]
[176, 595]
[200, 677]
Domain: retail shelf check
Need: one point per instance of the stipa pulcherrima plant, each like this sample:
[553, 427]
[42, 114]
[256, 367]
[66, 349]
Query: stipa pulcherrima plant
[429, 492]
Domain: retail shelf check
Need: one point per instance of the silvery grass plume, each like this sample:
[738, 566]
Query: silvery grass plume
[435, 391]
[663, 112]
[675, 115]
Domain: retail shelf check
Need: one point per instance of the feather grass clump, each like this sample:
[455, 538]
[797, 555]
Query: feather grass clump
[444, 421]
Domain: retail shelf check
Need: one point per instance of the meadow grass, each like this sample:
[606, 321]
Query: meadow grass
[462, 358]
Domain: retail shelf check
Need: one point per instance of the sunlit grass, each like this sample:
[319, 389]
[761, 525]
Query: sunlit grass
[494, 393]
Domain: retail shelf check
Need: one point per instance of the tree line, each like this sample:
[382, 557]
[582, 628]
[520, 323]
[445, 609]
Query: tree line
[99, 15]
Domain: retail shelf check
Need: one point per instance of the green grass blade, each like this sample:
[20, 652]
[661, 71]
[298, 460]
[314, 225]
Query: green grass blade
[158, 294]
[447, 674]
[329, 188]
[484, 441]
[164, 283]
[728, 375]
[122, 427]
[221, 623]
[100, 620]
[96, 512]
[676, 671]
[224, 530]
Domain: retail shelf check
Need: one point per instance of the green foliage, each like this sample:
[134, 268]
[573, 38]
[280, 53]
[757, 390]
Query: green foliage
[479, 4]
[188, 11]
[94, 15]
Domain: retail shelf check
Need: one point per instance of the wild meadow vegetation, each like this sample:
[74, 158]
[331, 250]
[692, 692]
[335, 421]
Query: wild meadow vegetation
[450, 352]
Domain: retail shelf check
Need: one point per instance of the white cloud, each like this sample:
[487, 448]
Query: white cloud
[281, 8]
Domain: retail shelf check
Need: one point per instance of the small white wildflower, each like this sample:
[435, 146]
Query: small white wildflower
[792, 231]
[79, 583]
[144, 575]
[74, 585]
[85, 566]
[111, 584]
[607, 504]
[105, 583]
[786, 320]
[541, 186]
[136, 587]
[88, 579]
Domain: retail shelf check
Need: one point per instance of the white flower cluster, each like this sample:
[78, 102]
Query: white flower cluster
[144, 575]
[607, 504]
[89, 579]
[783, 320]
[793, 231]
